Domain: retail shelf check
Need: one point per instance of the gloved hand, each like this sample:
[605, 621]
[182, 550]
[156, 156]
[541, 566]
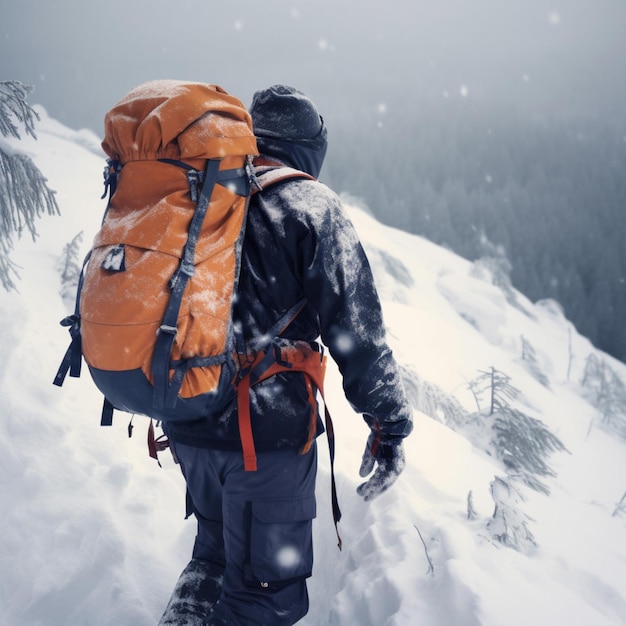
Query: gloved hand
[388, 453]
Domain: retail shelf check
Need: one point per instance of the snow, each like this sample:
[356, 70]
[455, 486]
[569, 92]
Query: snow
[93, 531]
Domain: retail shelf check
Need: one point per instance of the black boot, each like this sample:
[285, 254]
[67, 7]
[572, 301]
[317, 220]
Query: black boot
[198, 588]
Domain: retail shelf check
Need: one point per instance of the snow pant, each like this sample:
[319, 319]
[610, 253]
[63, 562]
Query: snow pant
[257, 528]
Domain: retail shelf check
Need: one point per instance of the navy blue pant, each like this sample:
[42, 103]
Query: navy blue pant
[258, 527]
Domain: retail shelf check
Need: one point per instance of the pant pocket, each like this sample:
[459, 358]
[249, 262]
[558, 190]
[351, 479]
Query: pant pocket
[280, 542]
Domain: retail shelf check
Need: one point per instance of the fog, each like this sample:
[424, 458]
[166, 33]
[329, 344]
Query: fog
[452, 119]
[544, 58]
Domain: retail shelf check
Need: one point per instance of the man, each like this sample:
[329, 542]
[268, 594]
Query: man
[253, 550]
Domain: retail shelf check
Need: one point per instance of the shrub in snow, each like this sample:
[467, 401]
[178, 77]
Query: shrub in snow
[607, 392]
[24, 194]
[471, 513]
[431, 566]
[529, 359]
[494, 267]
[508, 525]
[432, 400]
[69, 268]
[621, 506]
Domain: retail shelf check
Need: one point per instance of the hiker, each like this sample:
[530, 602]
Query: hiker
[253, 549]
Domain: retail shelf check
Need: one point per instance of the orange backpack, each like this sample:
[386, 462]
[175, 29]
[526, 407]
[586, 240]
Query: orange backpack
[153, 315]
[153, 318]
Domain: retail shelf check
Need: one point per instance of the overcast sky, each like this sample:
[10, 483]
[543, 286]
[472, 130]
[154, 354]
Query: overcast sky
[542, 56]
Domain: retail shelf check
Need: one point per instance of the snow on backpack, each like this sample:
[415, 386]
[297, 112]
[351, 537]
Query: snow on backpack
[153, 317]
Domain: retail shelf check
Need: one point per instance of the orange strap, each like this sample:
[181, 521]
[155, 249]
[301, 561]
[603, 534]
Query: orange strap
[298, 359]
[155, 444]
[245, 424]
[313, 365]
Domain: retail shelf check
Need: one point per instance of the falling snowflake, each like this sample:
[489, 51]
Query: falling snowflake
[344, 344]
[554, 17]
[464, 91]
[288, 557]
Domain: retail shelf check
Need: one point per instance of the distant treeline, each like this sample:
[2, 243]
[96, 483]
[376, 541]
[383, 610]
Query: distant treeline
[551, 193]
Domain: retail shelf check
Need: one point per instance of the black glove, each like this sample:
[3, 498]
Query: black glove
[388, 452]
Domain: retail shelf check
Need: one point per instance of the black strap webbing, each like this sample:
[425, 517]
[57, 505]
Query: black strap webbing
[178, 282]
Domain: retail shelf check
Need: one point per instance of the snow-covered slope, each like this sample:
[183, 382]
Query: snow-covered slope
[92, 530]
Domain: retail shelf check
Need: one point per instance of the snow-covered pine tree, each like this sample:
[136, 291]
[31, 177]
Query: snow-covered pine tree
[471, 512]
[508, 525]
[523, 444]
[529, 359]
[70, 268]
[24, 193]
[607, 391]
[494, 267]
[432, 400]
[498, 386]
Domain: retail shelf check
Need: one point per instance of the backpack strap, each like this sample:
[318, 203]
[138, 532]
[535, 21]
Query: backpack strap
[270, 173]
[312, 364]
[166, 391]
[271, 360]
[253, 370]
[72, 360]
[236, 180]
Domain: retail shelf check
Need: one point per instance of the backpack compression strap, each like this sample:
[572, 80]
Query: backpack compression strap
[237, 180]
[72, 360]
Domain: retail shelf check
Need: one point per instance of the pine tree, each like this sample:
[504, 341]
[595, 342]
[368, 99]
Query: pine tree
[497, 385]
[493, 266]
[508, 525]
[69, 267]
[432, 400]
[522, 443]
[529, 358]
[24, 194]
[607, 391]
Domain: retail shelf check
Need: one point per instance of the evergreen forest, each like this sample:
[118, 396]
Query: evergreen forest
[546, 196]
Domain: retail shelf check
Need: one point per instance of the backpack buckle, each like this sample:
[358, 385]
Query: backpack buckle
[168, 330]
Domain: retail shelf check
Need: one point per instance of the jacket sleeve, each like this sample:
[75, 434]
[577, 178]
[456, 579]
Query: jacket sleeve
[338, 283]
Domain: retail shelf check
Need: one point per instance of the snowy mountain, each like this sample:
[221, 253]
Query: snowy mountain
[93, 531]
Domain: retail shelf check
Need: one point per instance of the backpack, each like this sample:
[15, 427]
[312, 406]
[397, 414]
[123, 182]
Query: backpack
[153, 315]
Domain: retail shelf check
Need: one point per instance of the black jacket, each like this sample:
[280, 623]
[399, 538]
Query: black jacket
[299, 242]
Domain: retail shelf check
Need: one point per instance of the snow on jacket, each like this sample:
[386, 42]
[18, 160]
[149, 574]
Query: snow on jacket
[299, 242]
